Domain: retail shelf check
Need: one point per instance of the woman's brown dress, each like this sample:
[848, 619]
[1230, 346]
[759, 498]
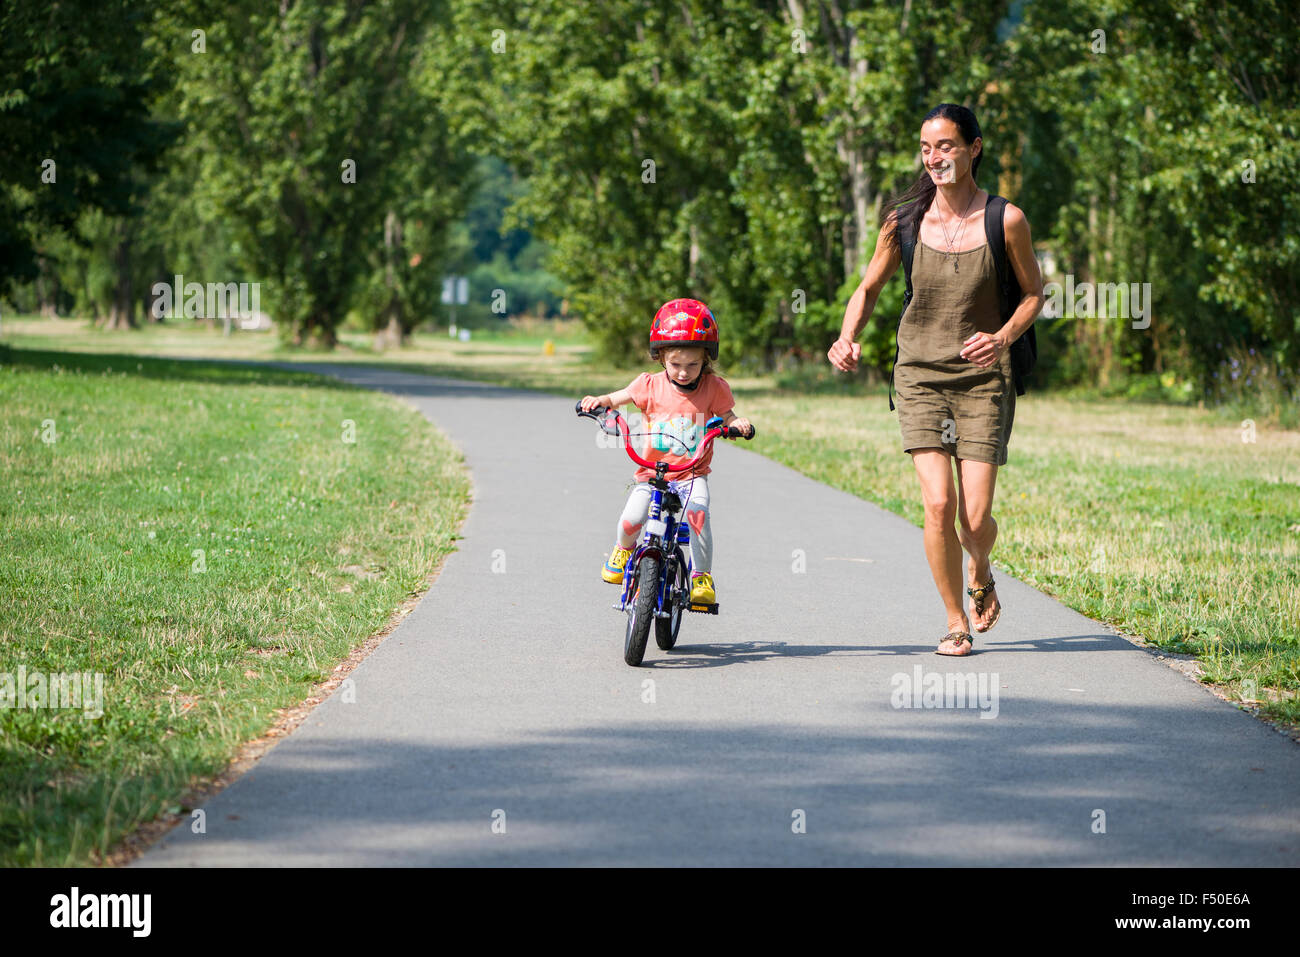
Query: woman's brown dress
[945, 401]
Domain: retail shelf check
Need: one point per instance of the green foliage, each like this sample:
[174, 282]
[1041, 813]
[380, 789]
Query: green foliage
[428, 187]
[640, 150]
[76, 133]
[729, 151]
[581, 102]
[1136, 168]
[307, 140]
[494, 246]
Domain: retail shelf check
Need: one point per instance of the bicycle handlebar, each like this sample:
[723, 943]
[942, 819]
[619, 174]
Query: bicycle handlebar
[600, 415]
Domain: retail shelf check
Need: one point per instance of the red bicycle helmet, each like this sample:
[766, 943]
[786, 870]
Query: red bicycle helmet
[684, 322]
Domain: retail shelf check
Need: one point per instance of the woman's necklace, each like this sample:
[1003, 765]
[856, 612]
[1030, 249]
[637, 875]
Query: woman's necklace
[956, 238]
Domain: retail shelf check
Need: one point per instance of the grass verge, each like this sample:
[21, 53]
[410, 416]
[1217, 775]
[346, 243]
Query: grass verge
[211, 540]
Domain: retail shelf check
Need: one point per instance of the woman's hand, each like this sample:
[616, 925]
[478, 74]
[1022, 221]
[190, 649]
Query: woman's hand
[984, 349]
[844, 355]
[590, 402]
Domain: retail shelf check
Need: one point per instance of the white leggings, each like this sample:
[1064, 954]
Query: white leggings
[696, 509]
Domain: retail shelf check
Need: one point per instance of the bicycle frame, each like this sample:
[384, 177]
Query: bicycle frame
[671, 543]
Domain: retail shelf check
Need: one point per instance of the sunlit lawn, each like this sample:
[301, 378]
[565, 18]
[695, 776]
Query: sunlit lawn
[212, 540]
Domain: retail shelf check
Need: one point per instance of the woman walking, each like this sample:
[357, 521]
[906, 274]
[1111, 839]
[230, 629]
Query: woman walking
[956, 396]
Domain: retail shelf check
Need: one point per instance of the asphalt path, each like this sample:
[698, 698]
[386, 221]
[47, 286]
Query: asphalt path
[809, 723]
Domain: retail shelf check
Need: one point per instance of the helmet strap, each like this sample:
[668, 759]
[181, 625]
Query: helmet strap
[685, 388]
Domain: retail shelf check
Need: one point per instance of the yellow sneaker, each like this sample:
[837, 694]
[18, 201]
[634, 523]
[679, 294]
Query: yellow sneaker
[613, 570]
[702, 589]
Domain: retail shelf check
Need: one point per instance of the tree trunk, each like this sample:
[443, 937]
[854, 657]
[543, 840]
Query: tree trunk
[1092, 331]
[1110, 329]
[857, 158]
[860, 201]
[147, 303]
[392, 334]
[121, 314]
[315, 331]
[47, 290]
[1011, 176]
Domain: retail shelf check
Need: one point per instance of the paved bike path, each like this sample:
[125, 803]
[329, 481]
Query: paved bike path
[498, 724]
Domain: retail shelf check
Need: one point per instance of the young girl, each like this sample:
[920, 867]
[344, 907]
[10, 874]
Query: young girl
[676, 404]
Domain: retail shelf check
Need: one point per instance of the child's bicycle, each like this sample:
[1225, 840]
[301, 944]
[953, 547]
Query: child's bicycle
[657, 577]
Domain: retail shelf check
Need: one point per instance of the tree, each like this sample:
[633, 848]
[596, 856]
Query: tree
[305, 119]
[1163, 149]
[733, 151]
[75, 129]
[429, 189]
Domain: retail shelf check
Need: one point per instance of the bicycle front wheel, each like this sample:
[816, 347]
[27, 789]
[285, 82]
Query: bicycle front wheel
[666, 628]
[641, 610]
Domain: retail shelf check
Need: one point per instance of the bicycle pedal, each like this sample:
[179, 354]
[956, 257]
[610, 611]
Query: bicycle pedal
[703, 608]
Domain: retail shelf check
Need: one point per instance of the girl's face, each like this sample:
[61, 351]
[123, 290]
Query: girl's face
[683, 365]
[945, 154]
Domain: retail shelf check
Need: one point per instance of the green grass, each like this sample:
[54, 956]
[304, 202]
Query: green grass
[1156, 518]
[511, 354]
[529, 331]
[205, 538]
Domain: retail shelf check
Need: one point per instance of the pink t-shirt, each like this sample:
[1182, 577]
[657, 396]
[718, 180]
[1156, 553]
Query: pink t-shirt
[672, 414]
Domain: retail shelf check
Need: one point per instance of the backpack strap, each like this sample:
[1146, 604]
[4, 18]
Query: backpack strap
[907, 246]
[1025, 348]
[994, 212]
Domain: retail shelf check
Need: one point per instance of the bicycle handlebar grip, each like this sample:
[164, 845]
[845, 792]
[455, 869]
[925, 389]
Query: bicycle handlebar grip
[735, 433]
[595, 410]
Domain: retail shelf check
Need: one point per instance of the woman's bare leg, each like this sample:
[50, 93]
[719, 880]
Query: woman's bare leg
[979, 530]
[942, 546]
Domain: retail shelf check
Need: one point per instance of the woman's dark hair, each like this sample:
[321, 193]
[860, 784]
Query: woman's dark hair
[909, 208]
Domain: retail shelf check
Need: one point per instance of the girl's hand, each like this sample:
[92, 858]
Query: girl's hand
[590, 402]
[844, 354]
[742, 424]
[984, 349]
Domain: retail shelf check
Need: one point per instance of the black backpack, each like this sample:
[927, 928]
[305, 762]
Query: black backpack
[1024, 351]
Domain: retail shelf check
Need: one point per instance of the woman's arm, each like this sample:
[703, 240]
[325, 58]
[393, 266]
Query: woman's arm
[983, 349]
[1020, 250]
[846, 351]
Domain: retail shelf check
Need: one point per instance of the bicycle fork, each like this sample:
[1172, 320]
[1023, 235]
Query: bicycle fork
[659, 529]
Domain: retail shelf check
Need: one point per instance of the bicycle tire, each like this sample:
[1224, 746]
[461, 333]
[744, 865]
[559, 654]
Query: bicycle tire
[666, 629]
[641, 610]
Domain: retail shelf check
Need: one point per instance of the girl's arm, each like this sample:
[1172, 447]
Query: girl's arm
[729, 418]
[613, 400]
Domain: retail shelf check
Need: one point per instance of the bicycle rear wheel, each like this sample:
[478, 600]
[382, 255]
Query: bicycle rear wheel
[641, 610]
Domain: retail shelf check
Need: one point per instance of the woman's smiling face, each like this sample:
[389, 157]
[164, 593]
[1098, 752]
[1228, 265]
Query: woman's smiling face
[943, 151]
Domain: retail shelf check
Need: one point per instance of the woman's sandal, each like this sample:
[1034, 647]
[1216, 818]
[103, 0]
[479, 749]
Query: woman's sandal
[979, 594]
[958, 637]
